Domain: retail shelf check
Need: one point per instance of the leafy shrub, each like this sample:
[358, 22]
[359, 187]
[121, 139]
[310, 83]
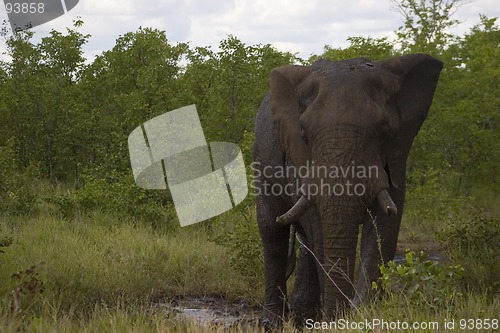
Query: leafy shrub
[16, 196]
[241, 237]
[4, 242]
[118, 194]
[26, 292]
[476, 237]
[428, 200]
[422, 281]
[472, 239]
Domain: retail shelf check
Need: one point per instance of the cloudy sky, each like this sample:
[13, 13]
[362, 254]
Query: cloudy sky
[290, 25]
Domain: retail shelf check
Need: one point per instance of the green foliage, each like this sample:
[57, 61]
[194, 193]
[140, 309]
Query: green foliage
[119, 195]
[87, 262]
[16, 195]
[430, 201]
[4, 241]
[476, 236]
[360, 47]
[472, 239]
[460, 140]
[26, 292]
[422, 281]
[124, 87]
[239, 234]
[228, 86]
[67, 120]
[426, 24]
[40, 96]
[66, 116]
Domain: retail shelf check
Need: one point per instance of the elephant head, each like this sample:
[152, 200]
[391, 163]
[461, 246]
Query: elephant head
[350, 115]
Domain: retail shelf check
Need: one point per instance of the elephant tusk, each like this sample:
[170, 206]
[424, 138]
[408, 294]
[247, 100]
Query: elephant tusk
[386, 203]
[295, 212]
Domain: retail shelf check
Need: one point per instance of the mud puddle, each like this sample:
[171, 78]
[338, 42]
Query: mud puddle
[434, 255]
[212, 311]
[208, 311]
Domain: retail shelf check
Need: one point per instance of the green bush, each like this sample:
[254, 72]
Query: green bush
[429, 200]
[16, 195]
[4, 240]
[240, 235]
[117, 194]
[472, 239]
[422, 281]
[26, 292]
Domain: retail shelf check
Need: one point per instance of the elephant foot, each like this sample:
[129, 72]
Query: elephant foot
[271, 323]
[299, 317]
[304, 307]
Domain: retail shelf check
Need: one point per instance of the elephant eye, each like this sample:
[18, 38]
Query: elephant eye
[304, 136]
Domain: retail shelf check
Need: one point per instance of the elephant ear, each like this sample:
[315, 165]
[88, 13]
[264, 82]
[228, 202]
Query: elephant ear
[286, 110]
[417, 75]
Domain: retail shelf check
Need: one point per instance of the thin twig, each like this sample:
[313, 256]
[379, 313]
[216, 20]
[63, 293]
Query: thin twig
[377, 234]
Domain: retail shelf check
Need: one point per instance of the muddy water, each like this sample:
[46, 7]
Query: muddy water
[219, 312]
[213, 311]
[434, 255]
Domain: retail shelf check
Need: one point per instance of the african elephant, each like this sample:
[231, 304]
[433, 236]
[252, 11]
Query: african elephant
[330, 151]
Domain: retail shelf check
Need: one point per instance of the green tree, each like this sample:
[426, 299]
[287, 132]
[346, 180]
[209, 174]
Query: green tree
[360, 47]
[39, 112]
[229, 85]
[126, 86]
[426, 24]
[460, 140]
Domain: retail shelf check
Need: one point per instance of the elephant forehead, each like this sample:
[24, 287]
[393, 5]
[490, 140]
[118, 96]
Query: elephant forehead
[354, 72]
[353, 102]
[324, 64]
[349, 76]
[356, 85]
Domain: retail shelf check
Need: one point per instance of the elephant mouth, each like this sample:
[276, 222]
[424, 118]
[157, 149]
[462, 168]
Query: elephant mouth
[305, 201]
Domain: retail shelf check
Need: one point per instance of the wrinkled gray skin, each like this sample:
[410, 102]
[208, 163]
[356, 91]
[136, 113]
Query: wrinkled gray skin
[354, 112]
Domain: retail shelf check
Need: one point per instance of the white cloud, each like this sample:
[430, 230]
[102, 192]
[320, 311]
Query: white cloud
[213, 7]
[296, 26]
[303, 27]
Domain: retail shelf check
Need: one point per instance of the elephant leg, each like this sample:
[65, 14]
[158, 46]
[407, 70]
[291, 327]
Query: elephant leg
[305, 301]
[275, 239]
[379, 239]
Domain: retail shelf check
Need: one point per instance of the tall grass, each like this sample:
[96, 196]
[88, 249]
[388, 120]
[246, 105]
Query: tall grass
[116, 320]
[97, 272]
[144, 319]
[83, 263]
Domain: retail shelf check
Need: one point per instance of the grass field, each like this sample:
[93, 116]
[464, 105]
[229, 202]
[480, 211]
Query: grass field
[96, 272]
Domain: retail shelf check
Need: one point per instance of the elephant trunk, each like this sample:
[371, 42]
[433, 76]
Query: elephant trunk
[340, 234]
